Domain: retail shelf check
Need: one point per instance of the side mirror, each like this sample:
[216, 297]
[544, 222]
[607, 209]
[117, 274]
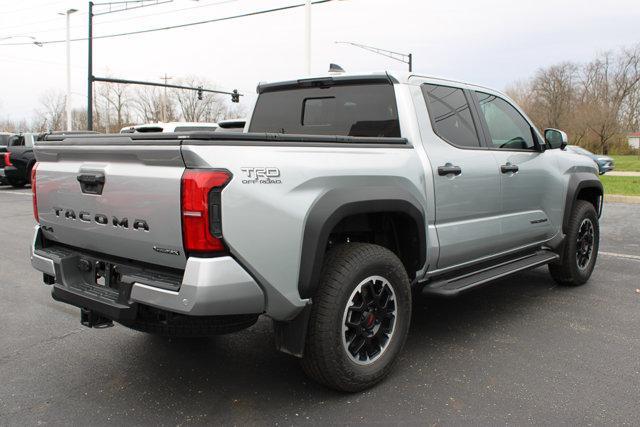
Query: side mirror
[555, 138]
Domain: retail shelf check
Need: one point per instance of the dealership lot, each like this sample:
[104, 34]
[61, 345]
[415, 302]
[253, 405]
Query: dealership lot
[520, 351]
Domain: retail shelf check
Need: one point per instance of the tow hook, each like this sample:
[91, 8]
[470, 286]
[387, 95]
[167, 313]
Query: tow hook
[91, 319]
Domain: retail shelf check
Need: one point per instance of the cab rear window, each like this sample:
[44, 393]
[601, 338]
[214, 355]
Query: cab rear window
[368, 110]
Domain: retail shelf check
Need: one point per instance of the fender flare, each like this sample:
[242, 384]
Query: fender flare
[337, 204]
[577, 183]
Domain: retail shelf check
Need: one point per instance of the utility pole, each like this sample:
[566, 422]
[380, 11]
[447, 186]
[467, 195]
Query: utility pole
[165, 100]
[90, 71]
[105, 8]
[307, 37]
[68, 13]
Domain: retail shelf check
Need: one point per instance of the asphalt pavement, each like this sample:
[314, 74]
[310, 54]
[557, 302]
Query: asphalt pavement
[522, 351]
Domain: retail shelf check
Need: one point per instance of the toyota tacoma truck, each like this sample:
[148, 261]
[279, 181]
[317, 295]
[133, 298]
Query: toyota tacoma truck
[347, 197]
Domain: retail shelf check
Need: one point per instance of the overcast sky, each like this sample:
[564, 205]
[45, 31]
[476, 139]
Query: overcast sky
[493, 43]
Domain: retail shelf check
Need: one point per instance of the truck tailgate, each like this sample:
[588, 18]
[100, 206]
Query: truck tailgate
[114, 196]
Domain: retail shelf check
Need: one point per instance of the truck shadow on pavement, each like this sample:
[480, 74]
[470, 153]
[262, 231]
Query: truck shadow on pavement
[244, 369]
[8, 188]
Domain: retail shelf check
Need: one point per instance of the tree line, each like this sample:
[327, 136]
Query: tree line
[120, 105]
[596, 103]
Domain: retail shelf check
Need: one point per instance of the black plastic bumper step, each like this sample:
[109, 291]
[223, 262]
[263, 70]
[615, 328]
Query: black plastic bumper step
[453, 286]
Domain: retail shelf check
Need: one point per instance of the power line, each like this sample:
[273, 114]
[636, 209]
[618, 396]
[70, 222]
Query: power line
[36, 61]
[28, 24]
[50, 30]
[168, 11]
[31, 7]
[171, 27]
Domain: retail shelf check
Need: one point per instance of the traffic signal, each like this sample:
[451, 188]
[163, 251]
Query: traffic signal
[199, 93]
[235, 96]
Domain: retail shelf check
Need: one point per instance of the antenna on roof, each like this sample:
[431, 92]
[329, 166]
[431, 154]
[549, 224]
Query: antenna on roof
[335, 69]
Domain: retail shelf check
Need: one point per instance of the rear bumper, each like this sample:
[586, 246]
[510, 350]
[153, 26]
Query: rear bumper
[208, 287]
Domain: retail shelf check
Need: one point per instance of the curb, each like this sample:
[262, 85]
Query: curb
[622, 173]
[618, 198]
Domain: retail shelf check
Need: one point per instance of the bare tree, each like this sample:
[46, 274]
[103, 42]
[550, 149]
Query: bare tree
[112, 106]
[8, 125]
[149, 104]
[210, 108]
[51, 114]
[596, 103]
[609, 82]
[554, 90]
[79, 119]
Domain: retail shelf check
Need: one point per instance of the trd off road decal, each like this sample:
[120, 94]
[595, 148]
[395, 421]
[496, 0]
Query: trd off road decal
[261, 175]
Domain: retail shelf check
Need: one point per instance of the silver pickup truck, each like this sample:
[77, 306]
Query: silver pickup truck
[347, 197]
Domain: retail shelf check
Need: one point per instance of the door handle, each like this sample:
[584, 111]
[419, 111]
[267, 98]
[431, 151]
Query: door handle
[91, 179]
[509, 168]
[449, 168]
[91, 183]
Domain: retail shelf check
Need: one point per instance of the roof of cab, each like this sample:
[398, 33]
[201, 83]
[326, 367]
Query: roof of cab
[403, 77]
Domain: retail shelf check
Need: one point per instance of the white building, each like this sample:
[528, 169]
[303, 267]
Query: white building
[634, 140]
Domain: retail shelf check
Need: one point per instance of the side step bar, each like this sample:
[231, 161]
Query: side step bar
[454, 286]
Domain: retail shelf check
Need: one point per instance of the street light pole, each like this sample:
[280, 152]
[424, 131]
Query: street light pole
[90, 71]
[68, 13]
[307, 37]
[406, 58]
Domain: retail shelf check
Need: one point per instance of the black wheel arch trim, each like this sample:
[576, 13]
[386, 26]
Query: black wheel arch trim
[338, 204]
[577, 183]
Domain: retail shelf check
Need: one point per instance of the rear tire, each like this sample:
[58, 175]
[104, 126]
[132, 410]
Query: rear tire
[580, 249]
[359, 318]
[173, 325]
[29, 169]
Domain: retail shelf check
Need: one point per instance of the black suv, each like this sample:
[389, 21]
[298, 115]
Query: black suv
[17, 159]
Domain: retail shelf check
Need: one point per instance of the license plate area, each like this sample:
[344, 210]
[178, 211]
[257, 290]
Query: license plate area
[106, 276]
[97, 278]
[102, 274]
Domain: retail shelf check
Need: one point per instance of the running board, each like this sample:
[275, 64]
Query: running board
[454, 286]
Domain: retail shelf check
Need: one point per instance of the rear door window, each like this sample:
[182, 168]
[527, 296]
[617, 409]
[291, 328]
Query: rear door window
[345, 110]
[450, 115]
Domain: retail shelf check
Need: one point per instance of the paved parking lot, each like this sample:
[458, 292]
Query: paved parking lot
[520, 351]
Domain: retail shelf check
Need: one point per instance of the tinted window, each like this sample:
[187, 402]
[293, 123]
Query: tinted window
[450, 115]
[16, 141]
[507, 128]
[4, 140]
[319, 111]
[353, 110]
[149, 129]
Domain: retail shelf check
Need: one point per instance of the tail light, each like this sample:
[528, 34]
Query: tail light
[7, 159]
[34, 192]
[201, 209]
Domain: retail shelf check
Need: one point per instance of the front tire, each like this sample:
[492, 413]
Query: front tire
[580, 249]
[359, 318]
